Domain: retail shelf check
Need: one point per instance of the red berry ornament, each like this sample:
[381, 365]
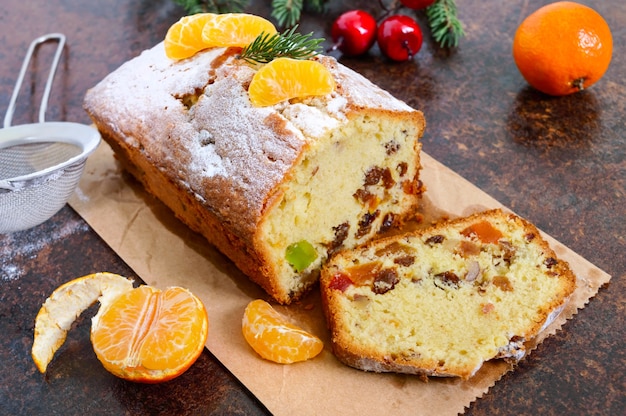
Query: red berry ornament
[399, 37]
[354, 32]
[417, 4]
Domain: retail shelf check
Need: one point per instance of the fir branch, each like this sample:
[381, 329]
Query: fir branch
[287, 12]
[316, 6]
[212, 6]
[445, 26]
[290, 44]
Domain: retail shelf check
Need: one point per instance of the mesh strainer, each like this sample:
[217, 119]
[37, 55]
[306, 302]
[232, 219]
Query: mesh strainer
[40, 163]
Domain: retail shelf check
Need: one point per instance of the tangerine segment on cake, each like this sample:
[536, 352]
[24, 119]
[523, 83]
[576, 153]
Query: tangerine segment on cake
[278, 189]
[442, 301]
[195, 32]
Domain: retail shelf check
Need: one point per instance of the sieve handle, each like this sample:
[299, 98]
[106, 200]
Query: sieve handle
[18, 85]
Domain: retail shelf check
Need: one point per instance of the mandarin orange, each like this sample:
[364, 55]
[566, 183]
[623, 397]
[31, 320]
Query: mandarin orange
[286, 78]
[148, 335]
[562, 48]
[276, 339]
[140, 334]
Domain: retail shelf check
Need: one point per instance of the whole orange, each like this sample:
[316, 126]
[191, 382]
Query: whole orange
[562, 48]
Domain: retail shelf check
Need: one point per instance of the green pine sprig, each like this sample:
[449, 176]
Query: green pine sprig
[445, 26]
[289, 44]
[212, 6]
[288, 12]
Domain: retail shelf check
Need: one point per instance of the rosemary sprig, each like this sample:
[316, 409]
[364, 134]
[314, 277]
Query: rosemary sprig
[445, 26]
[290, 44]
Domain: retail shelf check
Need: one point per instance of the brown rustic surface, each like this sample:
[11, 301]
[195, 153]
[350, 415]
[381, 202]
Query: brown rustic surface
[558, 162]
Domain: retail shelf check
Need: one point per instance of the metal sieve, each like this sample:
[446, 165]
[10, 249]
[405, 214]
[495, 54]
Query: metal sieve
[40, 163]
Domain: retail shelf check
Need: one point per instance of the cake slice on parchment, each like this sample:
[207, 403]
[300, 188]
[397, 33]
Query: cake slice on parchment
[442, 301]
[277, 189]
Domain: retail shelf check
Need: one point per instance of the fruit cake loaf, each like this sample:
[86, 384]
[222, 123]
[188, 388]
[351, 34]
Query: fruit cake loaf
[442, 301]
[277, 189]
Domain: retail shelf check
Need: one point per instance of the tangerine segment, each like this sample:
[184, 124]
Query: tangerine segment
[563, 48]
[149, 335]
[276, 339]
[235, 29]
[287, 78]
[65, 304]
[184, 38]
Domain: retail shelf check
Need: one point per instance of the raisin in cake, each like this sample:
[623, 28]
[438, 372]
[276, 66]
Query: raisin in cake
[442, 301]
[277, 189]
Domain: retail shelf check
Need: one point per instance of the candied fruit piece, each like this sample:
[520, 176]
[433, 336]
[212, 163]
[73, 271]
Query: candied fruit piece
[363, 274]
[503, 283]
[395, 248]
[467, 248]
[484, 231]
[340, 282]
[300, 255]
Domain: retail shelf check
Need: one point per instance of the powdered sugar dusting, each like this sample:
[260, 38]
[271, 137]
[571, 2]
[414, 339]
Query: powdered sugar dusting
[14, 255]
[10, 272]
[311, 120]
[193, 119]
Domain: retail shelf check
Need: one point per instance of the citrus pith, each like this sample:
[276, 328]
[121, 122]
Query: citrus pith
[65, 304]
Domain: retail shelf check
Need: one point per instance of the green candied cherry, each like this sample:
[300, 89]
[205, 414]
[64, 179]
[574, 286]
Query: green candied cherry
[300, 255]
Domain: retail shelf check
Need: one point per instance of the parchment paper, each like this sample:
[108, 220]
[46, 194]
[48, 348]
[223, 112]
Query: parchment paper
[164, 252]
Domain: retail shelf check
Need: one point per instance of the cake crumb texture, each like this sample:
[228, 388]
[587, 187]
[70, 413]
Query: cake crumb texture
[442, 301]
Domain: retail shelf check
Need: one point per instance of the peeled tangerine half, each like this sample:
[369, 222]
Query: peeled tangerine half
[274, 338]
[141, 334]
